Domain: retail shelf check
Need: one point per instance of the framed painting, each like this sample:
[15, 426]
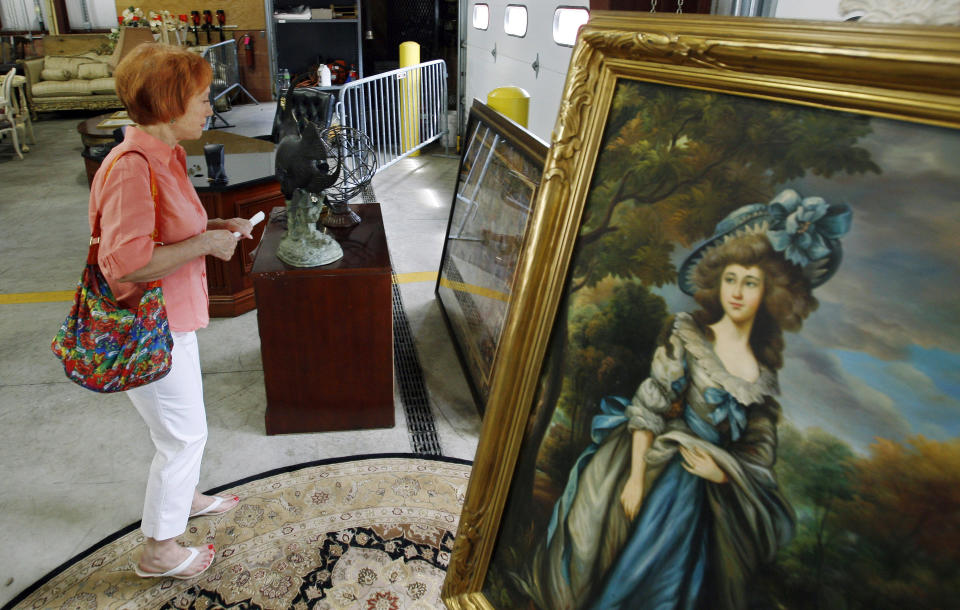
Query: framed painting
[728, 378]
[496, 185]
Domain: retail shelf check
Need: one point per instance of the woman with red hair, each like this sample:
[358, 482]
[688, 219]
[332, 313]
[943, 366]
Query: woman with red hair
[153, 227]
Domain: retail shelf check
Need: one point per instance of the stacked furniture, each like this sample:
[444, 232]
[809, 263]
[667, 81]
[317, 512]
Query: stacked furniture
[300, 105]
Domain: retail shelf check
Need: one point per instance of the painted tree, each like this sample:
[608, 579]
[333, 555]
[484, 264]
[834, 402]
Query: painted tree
[880, 531]
[610, 347]
[674, 162]
[816, 472]
[904, 524]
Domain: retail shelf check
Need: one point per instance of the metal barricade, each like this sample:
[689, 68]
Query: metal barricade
[222, 58]
[401, 111]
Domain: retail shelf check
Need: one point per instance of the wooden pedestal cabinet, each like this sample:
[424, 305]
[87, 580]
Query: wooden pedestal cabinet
[326, 333]
[230, 287]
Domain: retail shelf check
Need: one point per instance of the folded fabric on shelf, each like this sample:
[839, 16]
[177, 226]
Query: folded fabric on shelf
[295, 12]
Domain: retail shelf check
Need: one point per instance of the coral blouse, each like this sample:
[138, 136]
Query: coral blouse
[127, 221]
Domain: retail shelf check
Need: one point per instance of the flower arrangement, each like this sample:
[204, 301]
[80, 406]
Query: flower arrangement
[112, 38]
[131, 17]
[158, 19]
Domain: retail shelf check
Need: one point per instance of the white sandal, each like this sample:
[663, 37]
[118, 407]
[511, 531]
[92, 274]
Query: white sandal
[211, 509]
[175, 572]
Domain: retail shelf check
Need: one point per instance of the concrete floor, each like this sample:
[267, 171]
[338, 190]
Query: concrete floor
[75, 462]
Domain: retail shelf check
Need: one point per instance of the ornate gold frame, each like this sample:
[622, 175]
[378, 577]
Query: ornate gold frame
[903, 72]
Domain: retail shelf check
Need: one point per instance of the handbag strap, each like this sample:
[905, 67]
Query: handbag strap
[93, 252]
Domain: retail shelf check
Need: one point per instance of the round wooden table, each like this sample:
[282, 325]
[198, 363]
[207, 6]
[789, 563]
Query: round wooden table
[91, 135]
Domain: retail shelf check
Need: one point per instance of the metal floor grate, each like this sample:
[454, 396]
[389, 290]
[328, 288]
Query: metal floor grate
[413, 393]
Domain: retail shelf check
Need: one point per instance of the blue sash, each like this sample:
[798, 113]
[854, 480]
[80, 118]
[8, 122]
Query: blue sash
[664, 561]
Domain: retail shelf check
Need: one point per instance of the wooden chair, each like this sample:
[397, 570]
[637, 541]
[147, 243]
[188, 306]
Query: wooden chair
[129, 38]
[11, 118]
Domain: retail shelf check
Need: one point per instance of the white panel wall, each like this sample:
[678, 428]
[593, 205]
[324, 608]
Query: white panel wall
[827, 10]
[515, 57]
[512, 64]
[21, 14]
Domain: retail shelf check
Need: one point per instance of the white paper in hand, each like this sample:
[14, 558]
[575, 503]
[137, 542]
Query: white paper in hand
[253, 222]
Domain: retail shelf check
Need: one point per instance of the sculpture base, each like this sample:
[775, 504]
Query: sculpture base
[314, 251]
[303, 245]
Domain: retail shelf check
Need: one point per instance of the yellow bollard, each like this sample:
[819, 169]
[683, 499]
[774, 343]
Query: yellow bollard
[410, 97]
[511, 102]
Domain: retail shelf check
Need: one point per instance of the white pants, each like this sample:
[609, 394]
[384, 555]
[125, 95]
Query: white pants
[174, 412]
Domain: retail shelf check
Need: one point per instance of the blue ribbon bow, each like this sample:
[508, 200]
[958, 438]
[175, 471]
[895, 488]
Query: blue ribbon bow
[804, 229]
[726, 408]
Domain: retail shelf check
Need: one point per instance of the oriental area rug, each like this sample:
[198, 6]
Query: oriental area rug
[370, 533]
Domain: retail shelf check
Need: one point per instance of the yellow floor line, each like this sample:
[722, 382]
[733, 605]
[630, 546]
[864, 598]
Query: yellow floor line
[416, 276]
[36, 297]
[59, 296]
[477, 290]
[17, 298]
[431, 276]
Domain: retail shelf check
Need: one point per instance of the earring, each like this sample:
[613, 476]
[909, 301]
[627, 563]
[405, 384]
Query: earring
[172, 121]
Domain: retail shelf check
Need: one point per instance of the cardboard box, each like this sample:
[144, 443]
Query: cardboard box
[321, 13]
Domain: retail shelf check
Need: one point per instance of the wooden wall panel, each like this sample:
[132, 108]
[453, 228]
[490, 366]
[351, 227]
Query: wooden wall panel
[245, 14]
[69, 44]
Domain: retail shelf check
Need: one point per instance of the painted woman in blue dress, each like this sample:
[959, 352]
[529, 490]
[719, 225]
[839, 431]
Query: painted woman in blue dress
[675, 502]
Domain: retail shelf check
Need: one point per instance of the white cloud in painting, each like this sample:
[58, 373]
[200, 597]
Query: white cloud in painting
[917, 147]
[897, 283]
[818, 392]
[860, 326]
[929, 404]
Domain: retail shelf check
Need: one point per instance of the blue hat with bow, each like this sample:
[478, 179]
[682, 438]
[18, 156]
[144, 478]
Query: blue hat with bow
[805, 230]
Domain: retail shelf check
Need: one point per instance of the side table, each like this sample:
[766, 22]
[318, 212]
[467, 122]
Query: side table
[326, 333]
[96, 141]
[91, 134]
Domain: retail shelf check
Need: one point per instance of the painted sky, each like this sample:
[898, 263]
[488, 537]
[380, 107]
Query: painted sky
[881, 356]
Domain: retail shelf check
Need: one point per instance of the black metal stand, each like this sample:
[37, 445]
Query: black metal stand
[212, 121]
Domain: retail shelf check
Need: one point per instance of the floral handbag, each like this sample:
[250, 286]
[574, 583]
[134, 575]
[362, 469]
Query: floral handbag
[105, 348]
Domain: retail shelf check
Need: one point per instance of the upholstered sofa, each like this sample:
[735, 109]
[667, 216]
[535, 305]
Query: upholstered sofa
[73, 76]
[78, 82]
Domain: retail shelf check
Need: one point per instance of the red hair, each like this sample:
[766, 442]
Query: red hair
[156, 81]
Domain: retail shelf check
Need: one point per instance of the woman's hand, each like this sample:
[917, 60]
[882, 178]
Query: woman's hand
[239, 225]
[220, 243]
[698, 462]
[167, 258]
[632, 496]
